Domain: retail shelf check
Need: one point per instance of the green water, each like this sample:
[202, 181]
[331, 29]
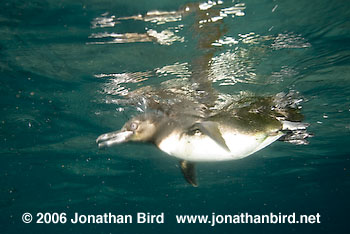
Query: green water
[60, 84]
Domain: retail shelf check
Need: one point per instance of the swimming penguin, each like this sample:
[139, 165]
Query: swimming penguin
[230, 134]
[182, 117]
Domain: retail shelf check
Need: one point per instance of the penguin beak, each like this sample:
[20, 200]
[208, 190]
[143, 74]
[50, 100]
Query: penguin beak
[112, 138]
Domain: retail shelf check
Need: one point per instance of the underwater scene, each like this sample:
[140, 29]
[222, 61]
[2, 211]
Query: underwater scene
[174, 116]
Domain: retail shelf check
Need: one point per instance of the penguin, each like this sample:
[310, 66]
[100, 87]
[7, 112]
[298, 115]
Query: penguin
[182, 118]
[229, 134]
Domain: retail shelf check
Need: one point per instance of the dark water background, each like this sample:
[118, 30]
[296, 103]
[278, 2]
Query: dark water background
[54, 104]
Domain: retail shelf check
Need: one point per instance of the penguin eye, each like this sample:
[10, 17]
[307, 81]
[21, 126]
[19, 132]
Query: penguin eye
[133, 126]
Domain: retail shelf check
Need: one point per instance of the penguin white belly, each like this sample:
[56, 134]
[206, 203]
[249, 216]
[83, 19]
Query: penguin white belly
[203, 148]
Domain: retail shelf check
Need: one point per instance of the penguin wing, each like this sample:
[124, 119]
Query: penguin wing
[211, 129]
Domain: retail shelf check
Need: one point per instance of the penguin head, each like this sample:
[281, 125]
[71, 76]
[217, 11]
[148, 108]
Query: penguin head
[140, 128]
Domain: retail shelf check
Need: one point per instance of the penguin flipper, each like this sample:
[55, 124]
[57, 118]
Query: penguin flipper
[189, 172]
[211, 129]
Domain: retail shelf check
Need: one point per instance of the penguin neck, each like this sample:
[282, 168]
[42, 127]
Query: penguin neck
[172, 125]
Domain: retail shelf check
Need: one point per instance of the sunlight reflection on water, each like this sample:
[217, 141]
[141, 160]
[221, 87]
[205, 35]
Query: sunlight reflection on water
[236, 56]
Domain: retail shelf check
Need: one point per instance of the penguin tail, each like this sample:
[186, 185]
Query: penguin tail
[295, 133]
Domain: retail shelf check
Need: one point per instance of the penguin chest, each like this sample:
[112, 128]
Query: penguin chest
[205, 148]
